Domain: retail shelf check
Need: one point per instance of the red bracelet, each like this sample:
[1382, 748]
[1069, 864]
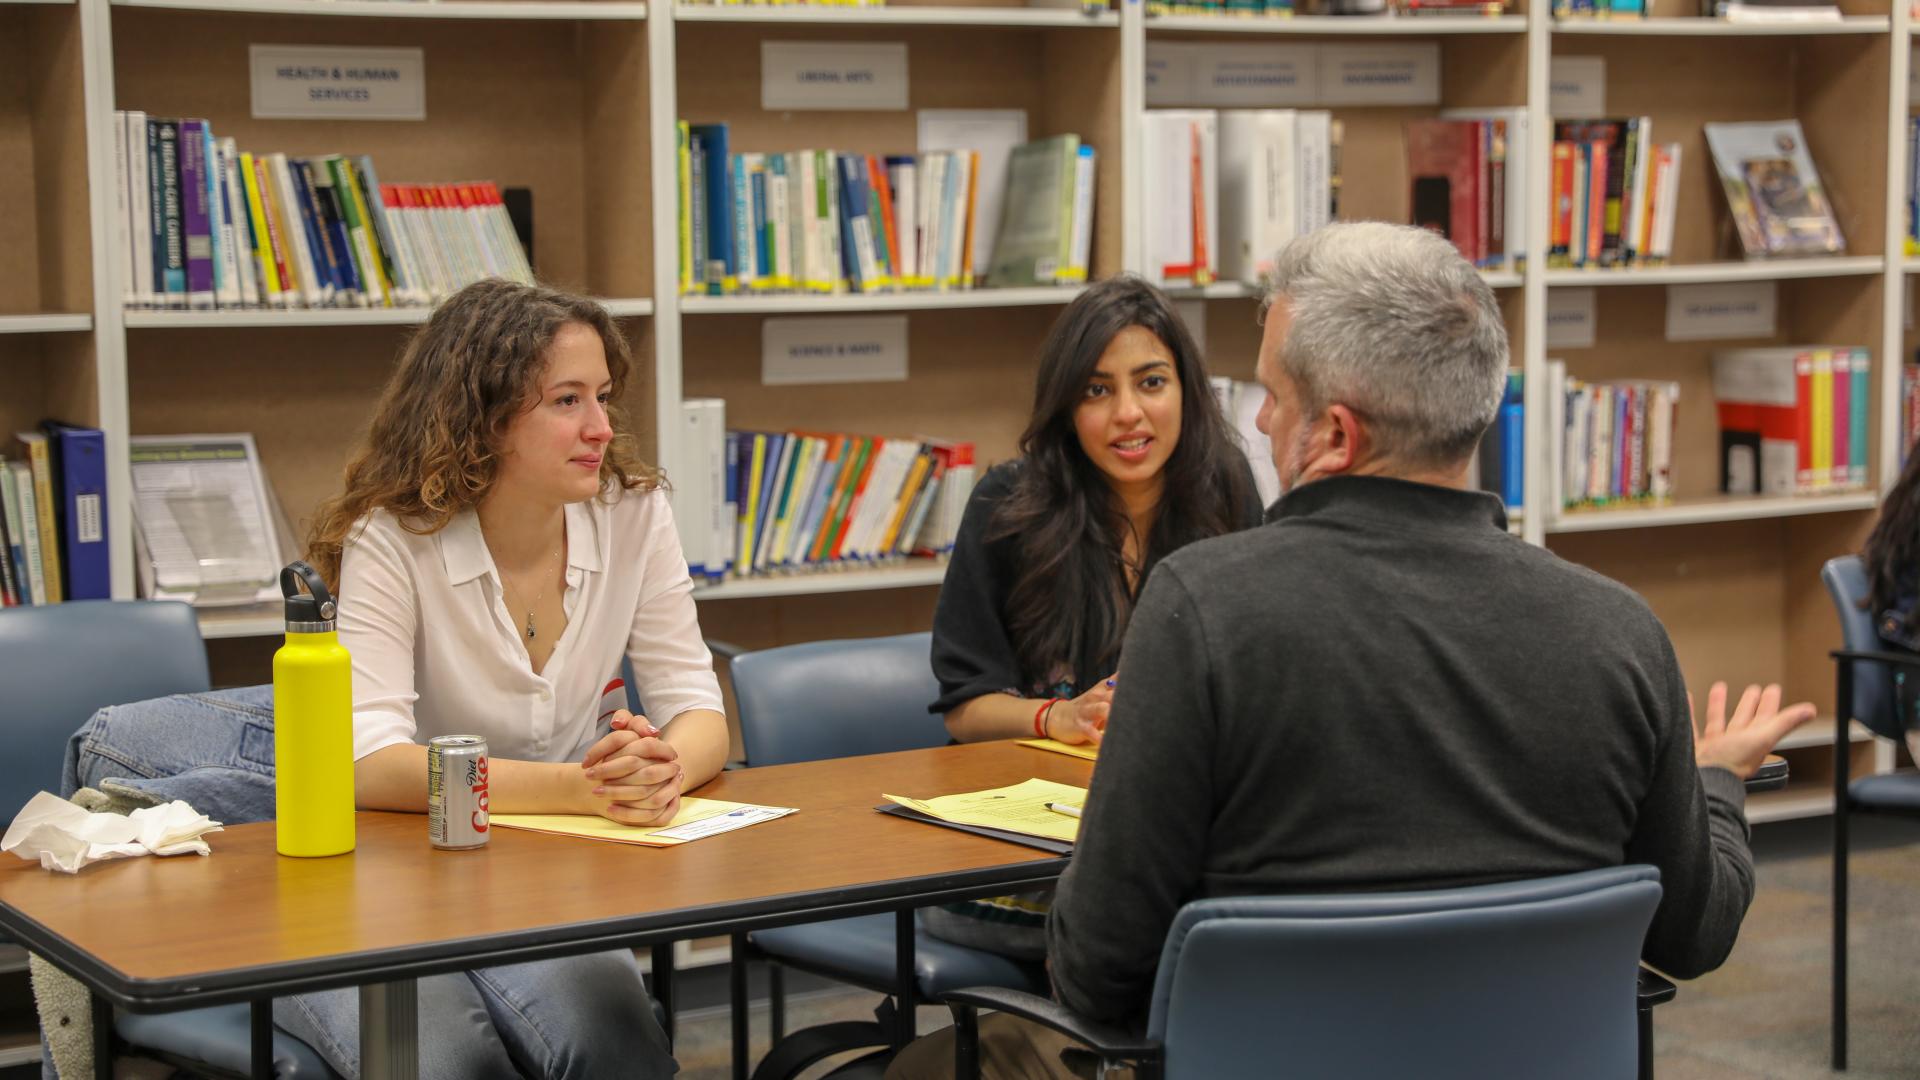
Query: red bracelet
[1040, 718]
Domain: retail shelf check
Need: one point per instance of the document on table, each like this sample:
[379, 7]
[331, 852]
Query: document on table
[1086, 752]
[697, 819]
[1021, 808]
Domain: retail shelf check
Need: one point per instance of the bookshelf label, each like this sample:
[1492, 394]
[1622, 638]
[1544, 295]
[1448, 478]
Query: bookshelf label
[1743, 309]
[815, 350]
[1170, 73]
[1254, 76]
[1570, 318]
[1384, 74]
[320, 82]
[1577, 87]
[833, 75]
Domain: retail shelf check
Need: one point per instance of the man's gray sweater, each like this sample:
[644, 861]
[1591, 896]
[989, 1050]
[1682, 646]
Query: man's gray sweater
[1381, 689]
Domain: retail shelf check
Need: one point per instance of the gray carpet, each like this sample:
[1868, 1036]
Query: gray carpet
[1762, 1016]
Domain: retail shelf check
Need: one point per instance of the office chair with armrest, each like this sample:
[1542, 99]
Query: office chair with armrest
[1864, 691]
[827, 699]
[61, 663]
[1524, 978]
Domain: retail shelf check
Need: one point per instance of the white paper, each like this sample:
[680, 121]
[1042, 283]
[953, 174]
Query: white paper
[1254, 76]
[993, 133]
[1396, 73]
[1722, 311]
[837, 350]
[64, 837]
[204, 520]
[1577, 87]
[1570, 318]
[833, 75]
[320, 82]
[723, 823]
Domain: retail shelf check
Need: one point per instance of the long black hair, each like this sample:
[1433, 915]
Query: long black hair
[1893, 547]
[1071, 596]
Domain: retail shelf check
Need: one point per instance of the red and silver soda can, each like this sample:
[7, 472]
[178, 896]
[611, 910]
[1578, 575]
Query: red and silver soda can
[457, 792]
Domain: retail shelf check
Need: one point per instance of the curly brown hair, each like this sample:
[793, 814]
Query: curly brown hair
[432, 449]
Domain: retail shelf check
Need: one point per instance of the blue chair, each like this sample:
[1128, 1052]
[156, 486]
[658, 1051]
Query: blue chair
[61, 663]
[827, 699]
[1526, 978]
[1863, 672]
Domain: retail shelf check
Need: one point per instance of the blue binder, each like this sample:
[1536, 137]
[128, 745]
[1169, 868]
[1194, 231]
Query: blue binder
[80, 478]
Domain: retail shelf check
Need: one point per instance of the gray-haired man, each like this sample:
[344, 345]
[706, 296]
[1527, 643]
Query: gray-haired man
[1381, 688]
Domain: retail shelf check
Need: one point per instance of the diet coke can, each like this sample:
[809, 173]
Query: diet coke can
[457, 792]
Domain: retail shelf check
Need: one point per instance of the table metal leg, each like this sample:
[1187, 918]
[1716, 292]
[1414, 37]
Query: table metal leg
[906, 980]
[260, 1021]
[741, 1004]
[663, 985]
[102, 1037]
[389, 1031]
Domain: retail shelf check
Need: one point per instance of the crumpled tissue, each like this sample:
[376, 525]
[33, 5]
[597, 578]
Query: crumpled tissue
[64, 837]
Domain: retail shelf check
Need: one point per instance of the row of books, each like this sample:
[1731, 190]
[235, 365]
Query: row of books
[1615, 440]
[1286, 8]
[1466, 173]
[819, 221]
[1793, 420]
[1912, 203]
[1613, 194]
[53, 518]
[206, 225]
[1501, 460]
[1909, 409]
[1260, 177]
[757, 503]
[1599, 9]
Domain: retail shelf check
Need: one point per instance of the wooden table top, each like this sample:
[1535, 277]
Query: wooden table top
[246, 920]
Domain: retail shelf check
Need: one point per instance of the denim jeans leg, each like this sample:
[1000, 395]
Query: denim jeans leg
[578, 1018]
[457, 1037]
[214, 750]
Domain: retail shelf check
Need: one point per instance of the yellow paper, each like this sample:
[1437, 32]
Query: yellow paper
[598, 828]
[1021, 808]
[1087, 752]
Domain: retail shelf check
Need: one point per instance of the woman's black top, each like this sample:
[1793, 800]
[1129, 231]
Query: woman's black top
[973, 650]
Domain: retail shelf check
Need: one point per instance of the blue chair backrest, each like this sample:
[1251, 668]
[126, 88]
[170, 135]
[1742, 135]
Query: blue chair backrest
[1527, 978]
[61, 663]
[1873, 700]
[827, 699]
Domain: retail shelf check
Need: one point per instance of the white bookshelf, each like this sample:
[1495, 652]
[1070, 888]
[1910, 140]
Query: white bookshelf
[1240, 290]
[815, 15]
[917, 573]
[492, 10]
[1709, 510]
[308, 317]
[1819, 732]
[1365, 25]
[219, 623]
[1705, 273]
[801, 304]
[1788, 804]
[1685, 26]
[45, 324]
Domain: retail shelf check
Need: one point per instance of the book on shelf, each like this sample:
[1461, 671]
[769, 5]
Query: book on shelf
[1790, 11]
[1240, 402]
[1458, 185]
[1909, 409]
[1793, 419]
[1450, 8]
[759, 503]
[1612, 194]
[1182, 157]
[1272, 185]
[53, 517]
[1614, 442]
[1599, 9]
[1500, 460]
[1773, 190]
[1911, 205]
[823, 222]
[204, 225]
[1279, 9]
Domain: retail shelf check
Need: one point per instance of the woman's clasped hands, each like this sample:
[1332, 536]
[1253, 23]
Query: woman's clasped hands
[633, 775]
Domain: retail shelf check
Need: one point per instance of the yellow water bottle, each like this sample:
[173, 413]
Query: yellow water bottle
[312, 724]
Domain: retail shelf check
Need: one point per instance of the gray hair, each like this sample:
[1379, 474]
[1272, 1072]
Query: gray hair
[1392, 322]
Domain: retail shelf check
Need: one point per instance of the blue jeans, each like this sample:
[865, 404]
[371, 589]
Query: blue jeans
[581, 1016]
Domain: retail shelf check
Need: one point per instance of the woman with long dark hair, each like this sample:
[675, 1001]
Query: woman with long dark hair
[1892, 558]
[1126, 458]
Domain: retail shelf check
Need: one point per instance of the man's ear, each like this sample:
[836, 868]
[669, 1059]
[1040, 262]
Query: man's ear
[1348, 443]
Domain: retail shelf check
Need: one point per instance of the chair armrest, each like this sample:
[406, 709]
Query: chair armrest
[1878, 656]
[1109, 1042]
[1655, 989]
[726, 650]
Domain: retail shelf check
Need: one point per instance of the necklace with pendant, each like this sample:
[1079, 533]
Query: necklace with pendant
[513, 593]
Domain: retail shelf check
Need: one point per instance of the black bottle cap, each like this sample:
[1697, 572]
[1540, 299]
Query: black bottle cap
[306, 610]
